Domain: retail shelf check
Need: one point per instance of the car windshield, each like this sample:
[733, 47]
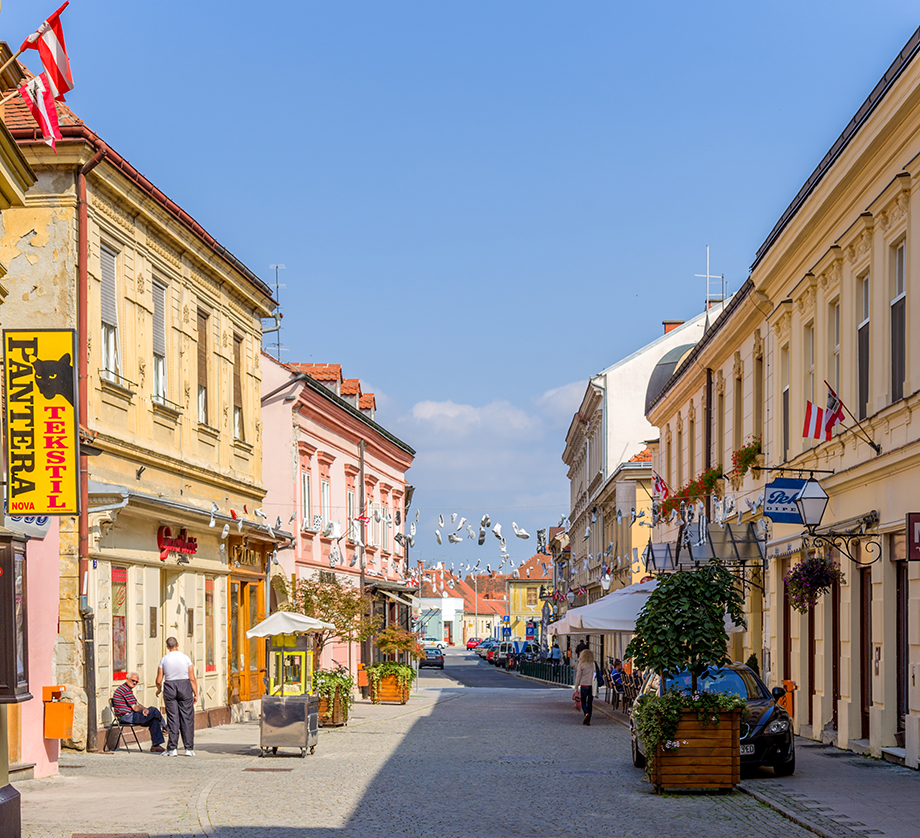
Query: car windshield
[433, 653]
[740, 682]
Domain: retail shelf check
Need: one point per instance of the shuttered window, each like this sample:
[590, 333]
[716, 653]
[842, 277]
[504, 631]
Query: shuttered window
[108, 261]
[862, 349]
[898, 327]
[238, 428]
[159, 341]
[202, 367]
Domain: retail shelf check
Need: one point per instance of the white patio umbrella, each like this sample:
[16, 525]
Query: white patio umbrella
[615, 612]
[286, 622]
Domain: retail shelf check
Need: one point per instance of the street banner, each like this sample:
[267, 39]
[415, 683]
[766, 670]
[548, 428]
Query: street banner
[779, 500]
[42, 452]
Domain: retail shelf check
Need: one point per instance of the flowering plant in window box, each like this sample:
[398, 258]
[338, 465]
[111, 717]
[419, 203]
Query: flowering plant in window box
[746, 457]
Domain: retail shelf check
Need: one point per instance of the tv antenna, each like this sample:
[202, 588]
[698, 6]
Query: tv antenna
[720, 286]
[278, 286]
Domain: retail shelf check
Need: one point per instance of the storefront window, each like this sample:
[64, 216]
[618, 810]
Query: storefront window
[19, 617]
[235, 627]
[119, 623]
[209, 625]
[253, 620]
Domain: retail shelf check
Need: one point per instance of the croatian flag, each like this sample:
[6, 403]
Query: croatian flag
[37, 95]
[48, 39]
[820, 422]
[661, 488]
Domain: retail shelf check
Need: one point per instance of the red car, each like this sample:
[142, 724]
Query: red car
[473, 642]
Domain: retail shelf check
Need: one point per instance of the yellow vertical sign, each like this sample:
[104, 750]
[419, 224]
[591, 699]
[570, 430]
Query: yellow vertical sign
[42, 455]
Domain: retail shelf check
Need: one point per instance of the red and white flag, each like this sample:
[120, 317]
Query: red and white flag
[661, 488]
[820, 422]
[38, 96]
[48, 39]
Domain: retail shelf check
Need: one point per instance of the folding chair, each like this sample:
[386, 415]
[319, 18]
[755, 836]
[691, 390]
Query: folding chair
[116, 732]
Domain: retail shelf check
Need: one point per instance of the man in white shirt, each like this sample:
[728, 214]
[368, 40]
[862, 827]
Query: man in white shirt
[176, 679]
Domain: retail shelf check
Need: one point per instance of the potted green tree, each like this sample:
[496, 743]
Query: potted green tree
[327, 599]
[691, 740]
[390, 680]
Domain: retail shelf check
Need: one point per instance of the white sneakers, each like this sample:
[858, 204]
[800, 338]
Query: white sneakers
[189, 752]
[172, 753]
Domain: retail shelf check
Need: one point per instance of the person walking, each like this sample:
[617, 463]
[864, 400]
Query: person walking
[176, 679]
[585, 675]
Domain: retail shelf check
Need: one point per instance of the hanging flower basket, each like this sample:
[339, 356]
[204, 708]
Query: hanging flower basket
[810, 578]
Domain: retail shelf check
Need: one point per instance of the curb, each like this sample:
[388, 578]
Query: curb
[795, 817]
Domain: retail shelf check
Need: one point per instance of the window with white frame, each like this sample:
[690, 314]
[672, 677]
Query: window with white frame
[159, 343]
[110, 356]
[324, 497]
[203, 321]
[898, 324]
[385, 521]
[306, 501]
[835, 344]
[810, 362]
[863, 308]
[352, 524]
[784, 383]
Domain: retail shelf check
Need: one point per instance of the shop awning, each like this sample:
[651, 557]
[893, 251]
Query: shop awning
[400, 600]
[287, 622]
[731, 543]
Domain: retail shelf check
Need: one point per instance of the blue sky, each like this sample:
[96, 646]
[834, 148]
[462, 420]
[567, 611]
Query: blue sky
[479, 204]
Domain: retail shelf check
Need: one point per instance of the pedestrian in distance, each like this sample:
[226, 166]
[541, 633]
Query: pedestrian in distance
[131, 712]
[582, 645]
[555, 654]
[176, 679]
[585, 675]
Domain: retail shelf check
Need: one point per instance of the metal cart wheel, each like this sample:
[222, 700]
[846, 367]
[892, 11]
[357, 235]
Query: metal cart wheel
[261, 752]
[274, 750]
[303, 753]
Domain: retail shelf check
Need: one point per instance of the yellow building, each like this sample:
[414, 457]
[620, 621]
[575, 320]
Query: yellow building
[169, 334]
[535, 577]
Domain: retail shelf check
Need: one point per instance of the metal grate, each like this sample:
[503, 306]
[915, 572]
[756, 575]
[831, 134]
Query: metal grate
[268, 769]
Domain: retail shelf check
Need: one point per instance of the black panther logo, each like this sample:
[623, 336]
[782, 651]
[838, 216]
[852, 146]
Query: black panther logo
[54, 378]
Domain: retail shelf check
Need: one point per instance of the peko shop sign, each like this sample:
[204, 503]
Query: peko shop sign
[42, 449]
[181, 544]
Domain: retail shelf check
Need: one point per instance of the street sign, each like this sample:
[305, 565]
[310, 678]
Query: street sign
[529, 631]
[506, 633]
[779, 500]
[913, 536]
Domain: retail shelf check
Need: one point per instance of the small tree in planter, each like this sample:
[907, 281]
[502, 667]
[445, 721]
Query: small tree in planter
[390, 680]
[335, 690]
[682, 627]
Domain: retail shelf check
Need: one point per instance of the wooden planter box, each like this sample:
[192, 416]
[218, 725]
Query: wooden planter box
[710, 759]
[339, 712]
[388, 691]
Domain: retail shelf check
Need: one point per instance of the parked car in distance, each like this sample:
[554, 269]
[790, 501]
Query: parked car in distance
[766, 729]
[433, 641]
[483, 648]
[473, 642]
[433, 657]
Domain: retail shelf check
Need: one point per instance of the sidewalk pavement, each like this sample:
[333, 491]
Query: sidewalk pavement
[834, 793]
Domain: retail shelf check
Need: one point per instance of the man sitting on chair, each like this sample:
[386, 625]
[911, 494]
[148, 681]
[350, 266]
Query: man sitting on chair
[131, 713]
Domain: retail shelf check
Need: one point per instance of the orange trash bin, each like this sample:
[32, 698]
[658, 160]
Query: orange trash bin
[787, 702]
[58, 714]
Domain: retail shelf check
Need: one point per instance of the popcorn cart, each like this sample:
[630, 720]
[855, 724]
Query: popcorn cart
[290, 712]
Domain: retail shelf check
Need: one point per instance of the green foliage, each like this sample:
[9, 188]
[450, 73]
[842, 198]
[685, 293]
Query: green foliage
[682, 625]
[395, 640]
[701, 487]
[404, 673]
[753, 664]
[657, 716]
[327, 681]
[329, 600]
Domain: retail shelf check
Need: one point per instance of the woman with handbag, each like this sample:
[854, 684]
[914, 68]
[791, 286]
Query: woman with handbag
[584, 682]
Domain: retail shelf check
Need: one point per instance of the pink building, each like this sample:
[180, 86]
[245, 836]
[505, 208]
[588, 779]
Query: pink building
[339, 478]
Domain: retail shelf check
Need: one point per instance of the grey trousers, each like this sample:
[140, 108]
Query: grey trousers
[180, 713]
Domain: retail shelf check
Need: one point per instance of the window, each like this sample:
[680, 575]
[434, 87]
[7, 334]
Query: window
[669, 465]
[110, 364]
[324, 501]
[810, 363]
[119, 623]
[352, 526]
[720, 428]
[238, 429]
[784, 382]
[862, 347]
[210, 660]
[202, 367]
[531, 596]
[385, 520]
[898, 325]
[159, 342]
[835, 345]
[306, 501]
[680, 457]
[737, 411]
[758, 397]
[691, 449]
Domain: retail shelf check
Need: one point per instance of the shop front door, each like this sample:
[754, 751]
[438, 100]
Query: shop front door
[247, 655]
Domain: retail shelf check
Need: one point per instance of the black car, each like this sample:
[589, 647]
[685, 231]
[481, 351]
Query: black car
[433, 657]
[766, 729]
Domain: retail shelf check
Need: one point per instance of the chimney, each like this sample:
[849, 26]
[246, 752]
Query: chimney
[671, 325]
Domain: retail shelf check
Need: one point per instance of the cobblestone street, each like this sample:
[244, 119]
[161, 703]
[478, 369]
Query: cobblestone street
[456, 761]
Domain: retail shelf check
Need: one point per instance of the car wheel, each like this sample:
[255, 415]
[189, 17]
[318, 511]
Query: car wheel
[785, 769]
[637, 756]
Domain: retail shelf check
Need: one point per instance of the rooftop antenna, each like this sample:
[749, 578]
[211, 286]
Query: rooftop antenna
[710, 299]
[278, 300]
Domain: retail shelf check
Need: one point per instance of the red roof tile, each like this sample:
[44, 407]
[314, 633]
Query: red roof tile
[367, 402]
[320, 372]
[351, 387]
[644, 456]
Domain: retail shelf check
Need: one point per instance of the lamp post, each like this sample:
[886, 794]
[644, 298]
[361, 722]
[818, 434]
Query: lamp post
[811, 502]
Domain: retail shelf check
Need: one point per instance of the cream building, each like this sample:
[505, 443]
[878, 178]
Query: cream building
[168, 333]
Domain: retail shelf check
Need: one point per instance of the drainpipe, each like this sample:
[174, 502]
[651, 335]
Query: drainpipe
[362, 512]
[89, 643]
